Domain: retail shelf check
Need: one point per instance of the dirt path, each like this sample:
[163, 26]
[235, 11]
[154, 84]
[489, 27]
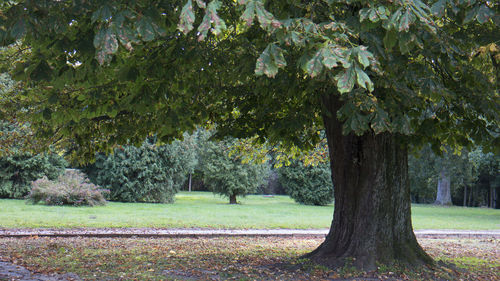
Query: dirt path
[176, 233]
[10, 272]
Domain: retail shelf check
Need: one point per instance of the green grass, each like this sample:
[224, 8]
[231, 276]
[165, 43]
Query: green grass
[204, 210]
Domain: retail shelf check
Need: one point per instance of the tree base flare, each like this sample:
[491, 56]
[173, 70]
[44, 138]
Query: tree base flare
[413, 257]
[372, 218]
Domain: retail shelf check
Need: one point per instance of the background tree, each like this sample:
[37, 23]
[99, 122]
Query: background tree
[149, 173]
[376, 75]
[487, 167]
[225, 172]
[19, 167]
[472, 176]
[19, 162]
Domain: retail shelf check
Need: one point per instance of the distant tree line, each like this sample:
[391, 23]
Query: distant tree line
[468, 178]
[155, 173]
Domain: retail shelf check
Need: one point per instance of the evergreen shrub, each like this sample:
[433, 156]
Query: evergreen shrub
[72, 188]
[19, 169]
[310, 185]
[149, 173]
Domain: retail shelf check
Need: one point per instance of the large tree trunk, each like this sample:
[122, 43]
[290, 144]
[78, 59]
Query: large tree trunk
[372, 218]
[443, 196]
[232, 199]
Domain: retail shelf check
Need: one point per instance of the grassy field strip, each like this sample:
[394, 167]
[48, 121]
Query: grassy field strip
[205, 210]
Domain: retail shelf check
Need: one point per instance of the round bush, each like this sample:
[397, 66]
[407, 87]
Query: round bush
[72, 188]
[310, 185]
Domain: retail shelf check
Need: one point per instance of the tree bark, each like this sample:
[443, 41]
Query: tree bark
[497, 197]
[465, 196]
[443, 196]
[492, 196]
[232, 199]
[372, 218]
[470, 197]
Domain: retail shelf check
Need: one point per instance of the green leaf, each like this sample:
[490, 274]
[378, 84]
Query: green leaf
[471, 15]
[394, 19]
[363, 79]
[373, 15]
[406, 20]
[402, 125]
[106, 41]
[265, 18]
[357, 122]
[102, 14]
[496, 20]
[380, 121]
[249, 13]
[364, 56]
[270, 61]
[438, 8]
[390, 39]
[110, 42]
[99, 38]
[145, 29]
[331, 57]
[201, 4]
[314, 66]
[363, 14]
[106, 44]
[187, 18]
[345, 80]
[484, 14]
[297, 38]
[383, 12]
[211, 19]
[277, 54]
[127, 36]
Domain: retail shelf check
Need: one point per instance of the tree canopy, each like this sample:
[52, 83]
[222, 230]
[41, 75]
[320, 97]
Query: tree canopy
[109, 71]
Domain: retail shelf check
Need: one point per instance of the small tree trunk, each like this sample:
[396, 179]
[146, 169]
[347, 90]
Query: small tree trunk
[443, 196]
[497, 197]
[232, 199]
[492, 197]
[189, 183]
[372, 217]
[465, 196]
[471, 192]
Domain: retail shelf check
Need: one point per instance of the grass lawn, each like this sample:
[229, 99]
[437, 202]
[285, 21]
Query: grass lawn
[233, 258]
[205, 210]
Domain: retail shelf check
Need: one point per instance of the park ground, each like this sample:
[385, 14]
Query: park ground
[233, 258]
[223, 258]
